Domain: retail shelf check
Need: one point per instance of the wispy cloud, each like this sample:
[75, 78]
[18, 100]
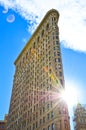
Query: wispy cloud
[72, 22]
[24, 40]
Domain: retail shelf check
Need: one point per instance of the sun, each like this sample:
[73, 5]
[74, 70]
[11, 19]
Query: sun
[70, 95]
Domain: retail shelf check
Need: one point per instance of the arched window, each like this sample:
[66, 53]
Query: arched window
[53, 126]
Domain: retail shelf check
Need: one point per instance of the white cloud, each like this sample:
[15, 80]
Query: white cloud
[72, 21]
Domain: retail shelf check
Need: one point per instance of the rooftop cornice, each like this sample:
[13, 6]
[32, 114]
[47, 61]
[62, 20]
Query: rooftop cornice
[35, 32]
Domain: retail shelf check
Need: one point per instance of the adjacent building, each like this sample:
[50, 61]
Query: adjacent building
[3, 123]
[80, 117]
[36, 103]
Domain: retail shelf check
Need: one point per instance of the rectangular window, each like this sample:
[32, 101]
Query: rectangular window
[40, 121]
[59, 66]
[48, 116]
[58, 53]
[52, 114]
[36, 114]
[60, 73]
[30, 118]
[56, 37]
[57, 42]
[53, 126]
[54, 53]
[36, 124]
[47, 106]
[55, 60]
[33, 126]
[59, 60]
[43, 119]
[61, 81]
[30, 127]
[49, 127]
[43, 109]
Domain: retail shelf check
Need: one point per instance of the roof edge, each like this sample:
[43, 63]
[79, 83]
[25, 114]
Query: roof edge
[46, 15]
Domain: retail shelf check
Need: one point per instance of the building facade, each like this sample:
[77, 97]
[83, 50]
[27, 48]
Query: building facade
[3, 123]
[36, 103]
[80, 117]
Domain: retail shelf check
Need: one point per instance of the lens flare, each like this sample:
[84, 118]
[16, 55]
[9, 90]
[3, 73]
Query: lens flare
[70, 95]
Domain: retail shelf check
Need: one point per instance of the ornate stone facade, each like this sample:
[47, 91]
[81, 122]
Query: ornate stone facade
[3, 123]
[36, 103]
[80, 117]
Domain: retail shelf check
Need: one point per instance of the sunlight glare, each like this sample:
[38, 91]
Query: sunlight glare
[70, 95]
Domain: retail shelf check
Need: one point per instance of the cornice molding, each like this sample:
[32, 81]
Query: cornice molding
[36, 31]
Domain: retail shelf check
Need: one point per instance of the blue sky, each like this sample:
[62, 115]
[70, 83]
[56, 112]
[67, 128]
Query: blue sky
[19, 19]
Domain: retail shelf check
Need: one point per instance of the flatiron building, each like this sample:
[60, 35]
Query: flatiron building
[36, 102]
